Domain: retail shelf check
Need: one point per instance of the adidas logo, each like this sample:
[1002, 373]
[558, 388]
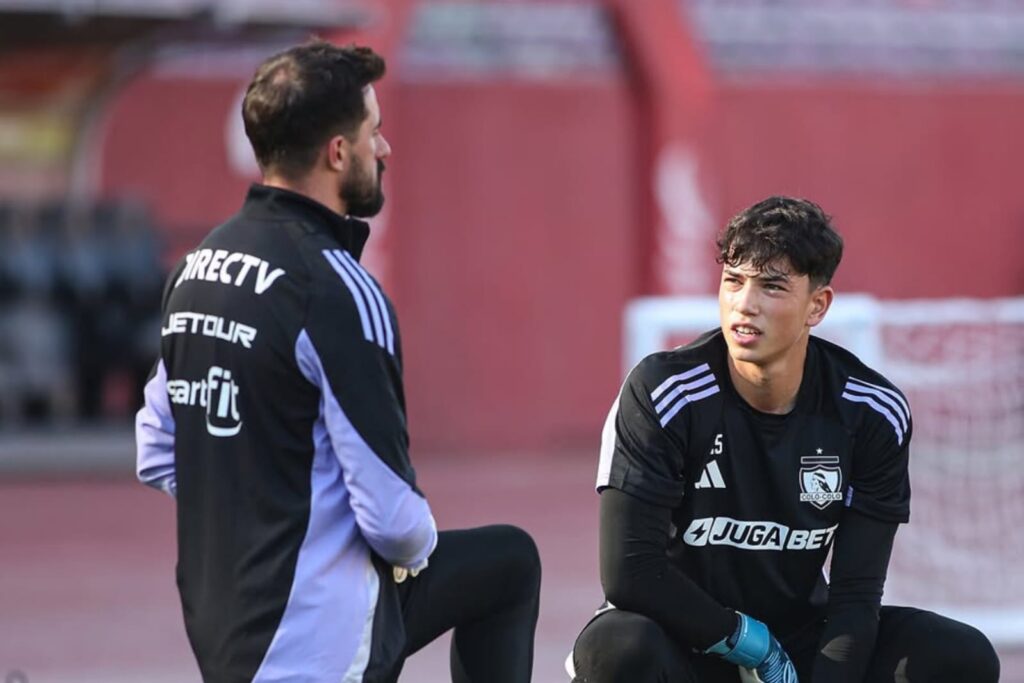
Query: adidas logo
[711, 477]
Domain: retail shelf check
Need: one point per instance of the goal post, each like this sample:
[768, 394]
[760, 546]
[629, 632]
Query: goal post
[961, 364]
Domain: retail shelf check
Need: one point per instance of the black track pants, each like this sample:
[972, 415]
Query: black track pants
[485, 584]
[913, 646]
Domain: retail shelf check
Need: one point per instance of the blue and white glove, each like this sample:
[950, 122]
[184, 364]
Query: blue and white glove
[756, 651]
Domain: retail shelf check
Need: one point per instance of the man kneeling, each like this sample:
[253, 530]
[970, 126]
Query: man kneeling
[731, 466]
[276, 417]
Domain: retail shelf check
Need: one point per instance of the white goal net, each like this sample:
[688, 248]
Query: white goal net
[961, 364]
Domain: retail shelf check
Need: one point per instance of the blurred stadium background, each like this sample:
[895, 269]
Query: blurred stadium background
[554, 163]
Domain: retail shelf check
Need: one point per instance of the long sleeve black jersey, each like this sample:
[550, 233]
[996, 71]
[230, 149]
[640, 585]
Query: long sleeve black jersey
[757, 498]
[276, 417]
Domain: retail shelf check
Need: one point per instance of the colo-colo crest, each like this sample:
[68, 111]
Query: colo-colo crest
[821, 480]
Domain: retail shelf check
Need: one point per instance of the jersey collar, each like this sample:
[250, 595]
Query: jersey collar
[275, 202]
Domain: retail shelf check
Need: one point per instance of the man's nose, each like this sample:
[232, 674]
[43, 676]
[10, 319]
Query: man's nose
[746, 301]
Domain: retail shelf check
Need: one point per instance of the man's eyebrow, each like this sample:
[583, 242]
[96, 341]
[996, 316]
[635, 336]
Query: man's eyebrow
[770, 276]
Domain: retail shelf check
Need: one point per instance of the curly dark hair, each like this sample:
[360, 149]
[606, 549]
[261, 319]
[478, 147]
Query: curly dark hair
[783, 229]
[300, 98]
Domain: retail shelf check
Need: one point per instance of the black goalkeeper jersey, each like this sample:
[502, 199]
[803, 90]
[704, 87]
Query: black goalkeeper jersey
[757, 498]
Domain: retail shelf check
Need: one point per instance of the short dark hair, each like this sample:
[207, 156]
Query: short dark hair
[300, 98]
[783, 229]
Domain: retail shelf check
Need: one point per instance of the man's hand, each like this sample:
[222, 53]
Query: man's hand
[403, 573]
[756, 651]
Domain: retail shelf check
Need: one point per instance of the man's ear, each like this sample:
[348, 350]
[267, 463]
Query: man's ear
[337, 153]
[821, 301]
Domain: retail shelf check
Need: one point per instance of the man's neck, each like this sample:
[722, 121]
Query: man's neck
[316, 189]
[770, 388]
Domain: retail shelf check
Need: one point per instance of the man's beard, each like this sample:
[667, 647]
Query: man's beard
[362, 196]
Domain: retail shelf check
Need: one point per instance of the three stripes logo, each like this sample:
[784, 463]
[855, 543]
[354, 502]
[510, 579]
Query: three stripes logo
[373, 310]
[679, 390]
[711, 477]
[882, 400]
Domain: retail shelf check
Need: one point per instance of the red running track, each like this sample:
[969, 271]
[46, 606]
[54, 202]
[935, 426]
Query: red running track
[87, 581]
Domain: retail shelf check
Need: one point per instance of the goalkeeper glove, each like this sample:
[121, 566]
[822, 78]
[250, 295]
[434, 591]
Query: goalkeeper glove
[756, 651]
[750, 676]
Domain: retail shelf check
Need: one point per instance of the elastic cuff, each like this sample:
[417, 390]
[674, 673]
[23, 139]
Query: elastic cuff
[748, 646]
